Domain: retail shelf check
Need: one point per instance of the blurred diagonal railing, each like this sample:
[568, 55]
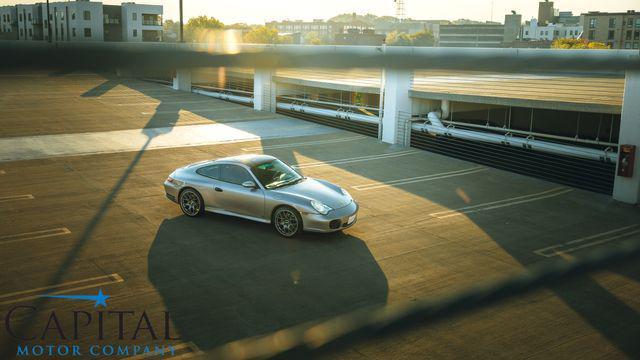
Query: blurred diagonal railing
[101, 55]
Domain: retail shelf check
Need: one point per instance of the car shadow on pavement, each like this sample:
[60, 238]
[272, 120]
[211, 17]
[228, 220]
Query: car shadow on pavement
[225, 279]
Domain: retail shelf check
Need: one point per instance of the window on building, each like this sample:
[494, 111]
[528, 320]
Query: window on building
[29, 16]
[612, 34]
[73, 16]
[73, 32]
[21, 32]
[636, 35]
[87, 15]
[592, 34]
[135, 32]
[612, 22]
[635, 45]
[134, 16]
[638, 22]
[526, 32]
[628, 35]
[593, 23]
[541, 32]
[630, 23]
[87, 32]
[30, 33]
[20, 17]
[627, 45]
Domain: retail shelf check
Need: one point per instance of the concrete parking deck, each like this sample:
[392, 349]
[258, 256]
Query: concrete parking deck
[428, 225]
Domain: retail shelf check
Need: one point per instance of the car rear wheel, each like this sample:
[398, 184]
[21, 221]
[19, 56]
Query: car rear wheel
[191, 202]
[287, 221]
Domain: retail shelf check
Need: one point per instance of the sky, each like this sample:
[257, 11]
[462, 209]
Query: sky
[261, 11]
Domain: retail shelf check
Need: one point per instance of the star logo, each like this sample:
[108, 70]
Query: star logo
[100, 298]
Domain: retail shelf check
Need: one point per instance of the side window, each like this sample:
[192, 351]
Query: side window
[235, 174]
[211, 171]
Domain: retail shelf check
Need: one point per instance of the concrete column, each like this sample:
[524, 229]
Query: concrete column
[264, 90]
[395, 101]
[182, 80]
[628, 189]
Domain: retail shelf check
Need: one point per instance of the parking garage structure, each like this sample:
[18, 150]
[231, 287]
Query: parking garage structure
[561, 126]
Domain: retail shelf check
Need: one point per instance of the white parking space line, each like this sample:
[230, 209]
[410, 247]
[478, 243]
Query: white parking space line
[354, 159]
[159, 103]
[183, 350]
[416, 179]
[87, 283]
[33, 235]
[290, 145]
[501, 203]
[16, 197]
[588, 241]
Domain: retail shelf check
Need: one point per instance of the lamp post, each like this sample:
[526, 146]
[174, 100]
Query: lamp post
[49, 22]
[181, 23]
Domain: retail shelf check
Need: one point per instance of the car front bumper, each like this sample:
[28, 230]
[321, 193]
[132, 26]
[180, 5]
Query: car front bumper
[335, 220]
[171, 191]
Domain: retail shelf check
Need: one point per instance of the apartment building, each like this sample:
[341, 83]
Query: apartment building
[534, 31]
[8, 23]
[324, 29]
[619, 30]
[141, 22]
[82, 20]
[489, 35]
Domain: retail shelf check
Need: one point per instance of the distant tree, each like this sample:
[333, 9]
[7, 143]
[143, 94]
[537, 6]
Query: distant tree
[199, 28]
[422, 38]
[265, 35]
[170, 30]
[395, 38]
[238, 26]
[312, 38]
[569, 43]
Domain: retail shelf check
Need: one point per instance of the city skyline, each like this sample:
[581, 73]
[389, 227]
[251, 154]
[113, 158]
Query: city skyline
[262, 11]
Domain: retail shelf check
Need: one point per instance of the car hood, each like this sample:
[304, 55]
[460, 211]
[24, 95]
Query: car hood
[323, 191]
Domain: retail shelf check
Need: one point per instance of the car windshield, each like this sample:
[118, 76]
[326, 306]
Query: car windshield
[274, 174]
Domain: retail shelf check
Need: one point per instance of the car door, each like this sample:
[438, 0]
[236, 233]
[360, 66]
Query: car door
[230, 195]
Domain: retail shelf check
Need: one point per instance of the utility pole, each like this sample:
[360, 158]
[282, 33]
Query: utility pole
[181, 23]
[48, 19]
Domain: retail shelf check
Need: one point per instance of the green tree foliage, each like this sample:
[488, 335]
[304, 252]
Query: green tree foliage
[422, 38]
[266, 35]
[199, 28]
[568, 43]
[171, 31]
[312, 38]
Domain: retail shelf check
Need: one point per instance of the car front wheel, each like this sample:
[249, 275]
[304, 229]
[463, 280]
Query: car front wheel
[191, 203]
[287, 221]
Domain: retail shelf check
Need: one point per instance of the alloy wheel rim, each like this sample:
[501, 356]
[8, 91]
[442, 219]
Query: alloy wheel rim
[190, 203]
[286, 222]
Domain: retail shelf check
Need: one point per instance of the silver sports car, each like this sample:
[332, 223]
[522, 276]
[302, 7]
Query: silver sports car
[262, 188]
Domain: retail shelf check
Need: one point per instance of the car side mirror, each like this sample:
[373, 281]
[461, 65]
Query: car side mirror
[249, 184]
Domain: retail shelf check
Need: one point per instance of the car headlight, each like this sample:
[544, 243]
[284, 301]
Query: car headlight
[346, 193]
[320, 207]
[174, 181]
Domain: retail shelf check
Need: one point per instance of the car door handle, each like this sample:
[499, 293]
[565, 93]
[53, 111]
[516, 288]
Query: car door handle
[217, 189]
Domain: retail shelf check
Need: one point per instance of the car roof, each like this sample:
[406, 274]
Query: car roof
[248, 159]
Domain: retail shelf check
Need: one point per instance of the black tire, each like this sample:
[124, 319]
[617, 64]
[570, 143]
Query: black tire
[287, 221]
[191, 202]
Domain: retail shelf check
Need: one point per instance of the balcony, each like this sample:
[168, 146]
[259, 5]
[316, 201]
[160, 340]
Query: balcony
[151, 20]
